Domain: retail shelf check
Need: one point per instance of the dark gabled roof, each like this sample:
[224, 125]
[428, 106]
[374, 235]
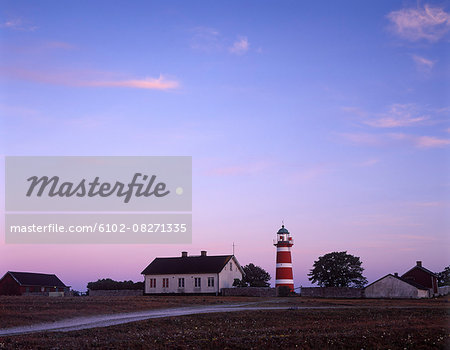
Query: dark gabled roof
[420, 268]
[187, 264]
[36, 279]
[414, 284]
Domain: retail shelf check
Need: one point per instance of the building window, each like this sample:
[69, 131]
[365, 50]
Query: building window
[197, 282]
[165, 283]
[181, 283]
[152, 282]
[231, 266]
[210, 281]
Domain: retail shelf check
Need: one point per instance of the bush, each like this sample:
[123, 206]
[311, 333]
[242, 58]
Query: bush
[283, 291]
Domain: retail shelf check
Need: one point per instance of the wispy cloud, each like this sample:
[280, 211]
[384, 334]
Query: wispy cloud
[431, 142]
[240, 46]
[423, 64]
[355, 110]
[307, 174]
[398, 115]
[369, 162]
[148, 83]
[19, 25]
[210, 40]
[58, 45]
[92, 79]
[88, 122]
[390, 139]
[242, 169]
[384, 220]
[429, 23]
[362, 138]
[17, 111]
[428, 204]
[420, 141]
[415, 237]
[206, 39]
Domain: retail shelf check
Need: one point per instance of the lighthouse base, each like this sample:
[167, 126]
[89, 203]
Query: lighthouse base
[290, 285]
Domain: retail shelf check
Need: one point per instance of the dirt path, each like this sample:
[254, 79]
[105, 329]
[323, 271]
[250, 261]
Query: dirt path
[120, 318]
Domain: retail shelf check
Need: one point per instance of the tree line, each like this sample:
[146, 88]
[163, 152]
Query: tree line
[109, 284]
[336, 269]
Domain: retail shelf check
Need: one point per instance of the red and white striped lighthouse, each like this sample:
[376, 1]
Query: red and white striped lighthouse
[284, 242]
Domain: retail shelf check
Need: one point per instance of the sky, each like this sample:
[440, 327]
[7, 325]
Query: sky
[330, 116]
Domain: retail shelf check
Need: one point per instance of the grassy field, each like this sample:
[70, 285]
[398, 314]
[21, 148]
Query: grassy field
[369, 324]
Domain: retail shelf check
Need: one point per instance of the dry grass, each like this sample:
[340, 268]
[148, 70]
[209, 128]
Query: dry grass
[371, 324]
[19, 311]
[363, 328]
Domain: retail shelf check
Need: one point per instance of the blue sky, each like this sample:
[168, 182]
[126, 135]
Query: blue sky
[333, 116]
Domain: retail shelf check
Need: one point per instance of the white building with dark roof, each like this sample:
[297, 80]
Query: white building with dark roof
[201, 274]
[393, 286]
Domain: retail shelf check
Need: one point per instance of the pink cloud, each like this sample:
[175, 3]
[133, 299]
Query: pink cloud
[429, 204]
[398, 115]
[236, 170]
[363, 138]
[369, 162]
[423, 63]
[308, 173]
[429, 23]
[421, 141]
[206, 39]
[385, 220]
[240, 46]
[431, 142]
[19, 25]
[355, 110]
[92, 79]
[58, 45]
[148, 83]
[387, 139]
[417, 237]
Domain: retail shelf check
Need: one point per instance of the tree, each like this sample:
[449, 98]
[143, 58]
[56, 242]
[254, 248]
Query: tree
[443, 277]
[255, 276]
[239, 283]
[338, 269]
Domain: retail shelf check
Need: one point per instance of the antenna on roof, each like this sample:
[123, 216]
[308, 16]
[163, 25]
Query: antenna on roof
[233, 247]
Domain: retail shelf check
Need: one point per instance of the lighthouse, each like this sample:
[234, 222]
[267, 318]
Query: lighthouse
[284, 242]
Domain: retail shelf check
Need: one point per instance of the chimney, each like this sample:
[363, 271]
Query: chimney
[203, 253]
[419, 263]
[396, 274]
[184, 254]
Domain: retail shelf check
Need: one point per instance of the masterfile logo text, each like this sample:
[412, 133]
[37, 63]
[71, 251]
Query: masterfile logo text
[98, 183]
[52, 187]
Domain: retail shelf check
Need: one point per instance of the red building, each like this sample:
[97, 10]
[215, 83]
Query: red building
[28, 283]
[422, 276]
